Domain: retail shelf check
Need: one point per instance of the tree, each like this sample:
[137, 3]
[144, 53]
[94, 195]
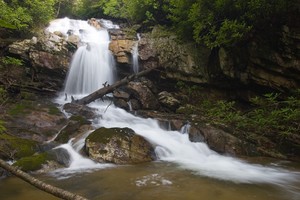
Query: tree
[224, 22]
[26, 15]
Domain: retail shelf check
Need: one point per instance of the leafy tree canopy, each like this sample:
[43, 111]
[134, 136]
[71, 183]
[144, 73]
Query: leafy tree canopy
[25, 15]
[212, 22]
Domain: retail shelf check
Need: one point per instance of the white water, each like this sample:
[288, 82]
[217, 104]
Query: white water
[170, 146]
[135, 56]
[93, 64]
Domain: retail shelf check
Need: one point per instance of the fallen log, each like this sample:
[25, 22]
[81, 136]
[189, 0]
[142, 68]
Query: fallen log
[55, 191]
[110, 88]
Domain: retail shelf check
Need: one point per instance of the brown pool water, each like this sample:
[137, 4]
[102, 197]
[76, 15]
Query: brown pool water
[156, 180]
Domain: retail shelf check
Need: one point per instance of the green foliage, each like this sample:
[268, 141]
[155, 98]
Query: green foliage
[212, 22]
[269, 115]
[135, 11]
[27, 14]
[223, 22]
[7, 61]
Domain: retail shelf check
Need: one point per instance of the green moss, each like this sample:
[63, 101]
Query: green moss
[21, 108]
[32, 163]
[17, 146]
[103, 135]
[54, 110]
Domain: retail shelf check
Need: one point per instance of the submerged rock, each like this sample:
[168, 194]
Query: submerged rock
[118, 145]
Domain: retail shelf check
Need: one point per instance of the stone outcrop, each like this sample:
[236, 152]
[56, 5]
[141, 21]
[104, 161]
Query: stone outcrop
[35, 121]
[48, 56]
[122, 50]
[140, 94]
[168, 100]
[180, 61]
[118, 145]
[269, 60]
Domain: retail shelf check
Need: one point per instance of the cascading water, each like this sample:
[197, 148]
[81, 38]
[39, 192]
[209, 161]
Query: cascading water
[170, 146]
[135, 55]
[93, 64]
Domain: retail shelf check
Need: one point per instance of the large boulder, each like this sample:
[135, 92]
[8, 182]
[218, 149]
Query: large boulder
[146, 96]
[118, 145]
[221, 141]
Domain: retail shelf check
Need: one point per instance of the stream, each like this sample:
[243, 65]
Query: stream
[183, 170]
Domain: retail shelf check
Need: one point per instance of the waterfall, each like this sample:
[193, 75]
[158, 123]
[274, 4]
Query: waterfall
[135, 55]
[170, 146]
[92, 64]
[130, 106]
[185, 128]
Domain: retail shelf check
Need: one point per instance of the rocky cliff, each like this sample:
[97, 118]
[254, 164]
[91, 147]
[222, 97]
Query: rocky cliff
[271, 60]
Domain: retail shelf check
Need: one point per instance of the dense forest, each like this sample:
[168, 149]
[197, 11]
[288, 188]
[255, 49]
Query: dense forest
[214, 23]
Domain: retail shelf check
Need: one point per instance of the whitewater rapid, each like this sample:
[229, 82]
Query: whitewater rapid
[170, 146]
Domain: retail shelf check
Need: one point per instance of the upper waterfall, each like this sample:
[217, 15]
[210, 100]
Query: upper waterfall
[92, 64]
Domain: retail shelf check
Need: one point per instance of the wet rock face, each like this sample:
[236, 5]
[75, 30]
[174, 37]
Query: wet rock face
[34, 121]
[118, 145]
[122, 50]
[48, 56]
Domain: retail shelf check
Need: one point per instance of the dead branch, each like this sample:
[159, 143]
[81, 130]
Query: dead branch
[110, 88]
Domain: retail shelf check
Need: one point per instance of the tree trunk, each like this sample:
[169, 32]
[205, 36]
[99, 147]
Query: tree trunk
[110, 88]
[60, 193]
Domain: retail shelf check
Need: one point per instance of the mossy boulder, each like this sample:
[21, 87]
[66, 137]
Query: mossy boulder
[12, 147]
[32, 163]
[44, 162]
[118, 145]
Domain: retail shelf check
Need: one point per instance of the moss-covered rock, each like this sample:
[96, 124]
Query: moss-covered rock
[118, 145]
[32, 163]
[12, 147]
[36, 120]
